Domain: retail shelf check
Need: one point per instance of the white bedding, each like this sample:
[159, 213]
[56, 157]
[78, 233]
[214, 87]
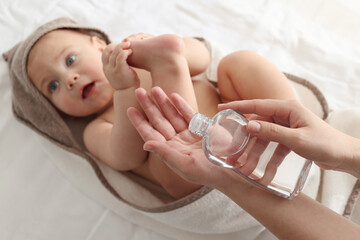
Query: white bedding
[317, 40]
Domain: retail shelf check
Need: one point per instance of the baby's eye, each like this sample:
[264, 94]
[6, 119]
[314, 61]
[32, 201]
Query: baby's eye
[53, 86]
[70, 60]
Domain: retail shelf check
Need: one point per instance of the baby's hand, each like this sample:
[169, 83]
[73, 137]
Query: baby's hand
[116, 69]
[138, 36]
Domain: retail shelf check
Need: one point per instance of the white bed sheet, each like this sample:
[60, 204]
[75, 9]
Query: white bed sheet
[317, 40]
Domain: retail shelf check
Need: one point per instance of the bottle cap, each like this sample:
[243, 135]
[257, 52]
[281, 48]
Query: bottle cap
[199, 124]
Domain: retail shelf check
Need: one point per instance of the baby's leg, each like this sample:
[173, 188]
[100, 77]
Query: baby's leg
[246, 75]
[164, 57]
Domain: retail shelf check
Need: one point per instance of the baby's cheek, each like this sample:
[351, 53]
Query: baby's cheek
[68, 106]
[95, 69]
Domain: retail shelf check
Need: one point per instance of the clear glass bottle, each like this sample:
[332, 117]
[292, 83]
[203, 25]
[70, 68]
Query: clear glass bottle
[227, 143]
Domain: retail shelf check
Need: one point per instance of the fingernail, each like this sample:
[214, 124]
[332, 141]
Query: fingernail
[125, 45]
[254, 127]
[148, 149]
[241, 161]
[220, 105]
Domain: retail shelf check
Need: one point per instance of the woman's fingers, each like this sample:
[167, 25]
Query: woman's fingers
[169, 110]
[277, 109]
[272, 132]
[277, 158]
[176, 160]
[146, 131]
[153, 113]
[183, 107]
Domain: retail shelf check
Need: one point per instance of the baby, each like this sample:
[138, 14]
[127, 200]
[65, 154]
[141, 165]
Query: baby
[82, 75]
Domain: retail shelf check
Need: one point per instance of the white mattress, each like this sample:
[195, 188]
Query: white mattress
[317, 40]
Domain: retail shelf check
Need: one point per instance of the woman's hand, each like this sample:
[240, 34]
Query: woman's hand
[166, 133]
[297, 128]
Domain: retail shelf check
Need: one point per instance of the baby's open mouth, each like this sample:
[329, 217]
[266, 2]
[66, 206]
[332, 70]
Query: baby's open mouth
[87, 90]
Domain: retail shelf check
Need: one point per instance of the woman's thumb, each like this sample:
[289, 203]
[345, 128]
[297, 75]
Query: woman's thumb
[269, 131]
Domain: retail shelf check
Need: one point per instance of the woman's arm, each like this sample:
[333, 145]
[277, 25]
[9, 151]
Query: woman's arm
[301, 218]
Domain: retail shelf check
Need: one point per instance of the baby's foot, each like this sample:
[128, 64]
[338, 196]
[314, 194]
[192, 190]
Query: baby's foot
[138, 36]
[154, 52]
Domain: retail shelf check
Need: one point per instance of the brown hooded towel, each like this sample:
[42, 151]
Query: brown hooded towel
[34, 110]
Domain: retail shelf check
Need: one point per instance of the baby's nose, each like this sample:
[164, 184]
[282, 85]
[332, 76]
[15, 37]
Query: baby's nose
[71, 81]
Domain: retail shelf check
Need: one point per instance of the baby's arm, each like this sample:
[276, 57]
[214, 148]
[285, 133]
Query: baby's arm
[111, 137]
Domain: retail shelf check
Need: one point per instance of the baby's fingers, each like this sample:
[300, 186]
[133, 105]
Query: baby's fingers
[106, 53]
[112, 50]
[119, 54]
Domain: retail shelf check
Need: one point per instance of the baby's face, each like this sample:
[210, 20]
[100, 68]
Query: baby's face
[66, 67]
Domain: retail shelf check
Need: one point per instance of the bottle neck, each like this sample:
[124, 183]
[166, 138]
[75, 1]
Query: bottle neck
[199, 124]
